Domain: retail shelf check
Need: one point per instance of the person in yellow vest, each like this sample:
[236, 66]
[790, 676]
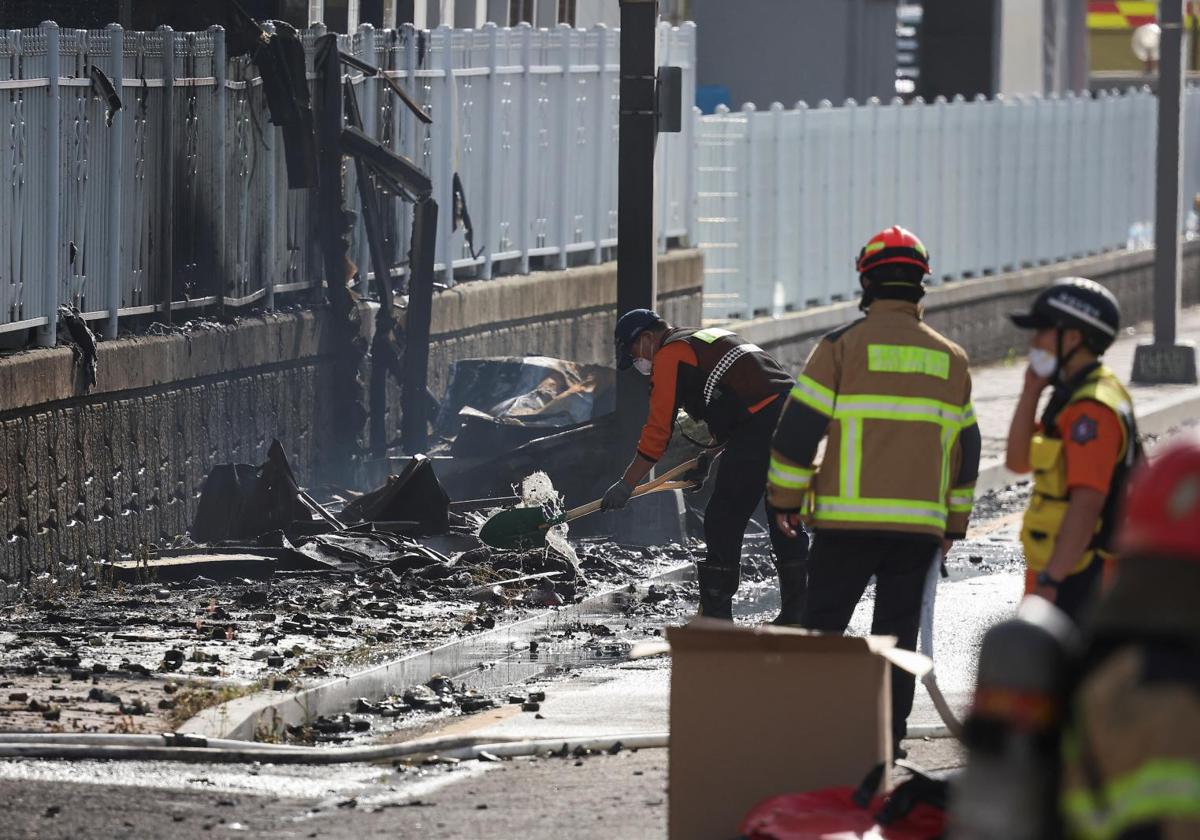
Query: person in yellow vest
[896, 484]
[1081, 451]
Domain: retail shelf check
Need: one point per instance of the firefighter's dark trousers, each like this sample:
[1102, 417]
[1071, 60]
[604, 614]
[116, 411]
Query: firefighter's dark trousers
[841, 564]
[740, 484]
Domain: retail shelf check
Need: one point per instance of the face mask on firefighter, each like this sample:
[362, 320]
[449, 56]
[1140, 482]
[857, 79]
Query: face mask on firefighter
[1042, 362]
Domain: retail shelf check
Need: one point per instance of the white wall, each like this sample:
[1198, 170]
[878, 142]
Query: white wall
[1021, 55]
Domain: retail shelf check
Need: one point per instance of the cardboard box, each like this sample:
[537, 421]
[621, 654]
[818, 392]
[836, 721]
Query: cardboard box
[760, 711]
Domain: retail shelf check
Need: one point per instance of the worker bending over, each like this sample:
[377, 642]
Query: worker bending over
[738, 390]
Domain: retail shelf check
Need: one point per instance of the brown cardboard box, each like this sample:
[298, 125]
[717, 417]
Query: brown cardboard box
[759, 711]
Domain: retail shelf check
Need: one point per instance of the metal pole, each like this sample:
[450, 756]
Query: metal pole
[414, 419]
[1165, 361]
[635, 184]
[316, 11]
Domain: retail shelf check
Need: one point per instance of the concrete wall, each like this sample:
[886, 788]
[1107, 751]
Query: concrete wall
[974, 313]
[87, 475]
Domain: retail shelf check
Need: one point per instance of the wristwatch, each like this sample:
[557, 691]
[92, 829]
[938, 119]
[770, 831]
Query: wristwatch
[1044, 579]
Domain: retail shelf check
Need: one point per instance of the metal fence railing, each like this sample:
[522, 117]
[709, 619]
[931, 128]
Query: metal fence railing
[785, 198]
[182, 197]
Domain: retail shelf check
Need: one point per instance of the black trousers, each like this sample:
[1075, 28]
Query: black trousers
[740, 483]
[840, 566]
[1078, 592]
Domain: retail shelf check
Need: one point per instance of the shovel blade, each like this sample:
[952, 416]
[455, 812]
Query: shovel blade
[519, 528]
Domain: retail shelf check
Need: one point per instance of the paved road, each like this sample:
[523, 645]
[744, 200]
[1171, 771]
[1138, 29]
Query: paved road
[594, 797]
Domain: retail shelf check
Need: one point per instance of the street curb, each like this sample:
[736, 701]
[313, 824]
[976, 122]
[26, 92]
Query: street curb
[483, 660]
[993, 475]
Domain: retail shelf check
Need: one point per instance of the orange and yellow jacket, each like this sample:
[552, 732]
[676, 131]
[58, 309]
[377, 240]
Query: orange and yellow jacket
[894, 397]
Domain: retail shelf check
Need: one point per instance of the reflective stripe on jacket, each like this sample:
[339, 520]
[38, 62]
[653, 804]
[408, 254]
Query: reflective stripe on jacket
[716, 376]
[903, 448]
[1131, 754]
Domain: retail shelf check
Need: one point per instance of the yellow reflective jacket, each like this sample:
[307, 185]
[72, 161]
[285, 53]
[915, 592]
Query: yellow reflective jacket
[903, 448]
[1050, 498]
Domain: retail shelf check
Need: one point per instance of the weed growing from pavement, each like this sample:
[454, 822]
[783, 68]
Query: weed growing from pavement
[192, 698]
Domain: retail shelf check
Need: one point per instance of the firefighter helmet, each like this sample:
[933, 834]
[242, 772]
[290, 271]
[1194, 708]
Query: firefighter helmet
[892, 246]
[1075, 303]
[1163, 506]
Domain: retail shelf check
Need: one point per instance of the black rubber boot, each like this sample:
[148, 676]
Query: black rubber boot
[793, 586]
[717, 588]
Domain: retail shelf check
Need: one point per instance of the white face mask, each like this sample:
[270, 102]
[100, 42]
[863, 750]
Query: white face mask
[643, 366]
[1042, 362]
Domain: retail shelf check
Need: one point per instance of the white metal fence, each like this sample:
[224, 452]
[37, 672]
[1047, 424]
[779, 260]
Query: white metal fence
[786, 198]
[184, 196]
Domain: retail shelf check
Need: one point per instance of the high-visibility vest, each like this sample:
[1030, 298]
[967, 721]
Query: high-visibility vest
[732, 380]
[1050, 499]
[897, 398]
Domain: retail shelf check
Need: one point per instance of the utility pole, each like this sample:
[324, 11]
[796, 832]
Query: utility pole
[636, 241]
[1164, 360]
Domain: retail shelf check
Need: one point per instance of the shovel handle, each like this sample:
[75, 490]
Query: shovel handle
[663, 482]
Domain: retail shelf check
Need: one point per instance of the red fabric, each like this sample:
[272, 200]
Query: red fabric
[1162, 510]
[832, 815]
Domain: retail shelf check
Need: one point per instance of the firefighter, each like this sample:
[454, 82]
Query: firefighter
[896, 484]
[1081, 451]
[1131, 752]
[738, 390]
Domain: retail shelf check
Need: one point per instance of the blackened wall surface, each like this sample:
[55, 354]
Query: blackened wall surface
[86, 476]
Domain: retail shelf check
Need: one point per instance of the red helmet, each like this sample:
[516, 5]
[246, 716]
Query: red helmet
[894, 245]
[1162, 510]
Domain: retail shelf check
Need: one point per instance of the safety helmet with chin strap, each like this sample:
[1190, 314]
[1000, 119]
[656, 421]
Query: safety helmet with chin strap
[1075, 303]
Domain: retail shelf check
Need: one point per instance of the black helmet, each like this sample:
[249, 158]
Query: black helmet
[1075, 303]
[630, 325]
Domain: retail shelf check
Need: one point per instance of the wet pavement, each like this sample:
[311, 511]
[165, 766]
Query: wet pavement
[589, 688]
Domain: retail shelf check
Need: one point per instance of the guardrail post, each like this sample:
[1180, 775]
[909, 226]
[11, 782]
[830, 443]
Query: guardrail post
[565, 143]
[602, 134]
[222, 263]
[751, 230]
[690, 132]
[780, 222]
[47, 336]
[446, 129]
[526, 139]
[166, 204]
[495, 87]
[116, 148]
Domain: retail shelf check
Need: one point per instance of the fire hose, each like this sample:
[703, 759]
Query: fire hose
[928, 597]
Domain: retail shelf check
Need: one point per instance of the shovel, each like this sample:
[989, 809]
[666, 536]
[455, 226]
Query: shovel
[526, 527]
